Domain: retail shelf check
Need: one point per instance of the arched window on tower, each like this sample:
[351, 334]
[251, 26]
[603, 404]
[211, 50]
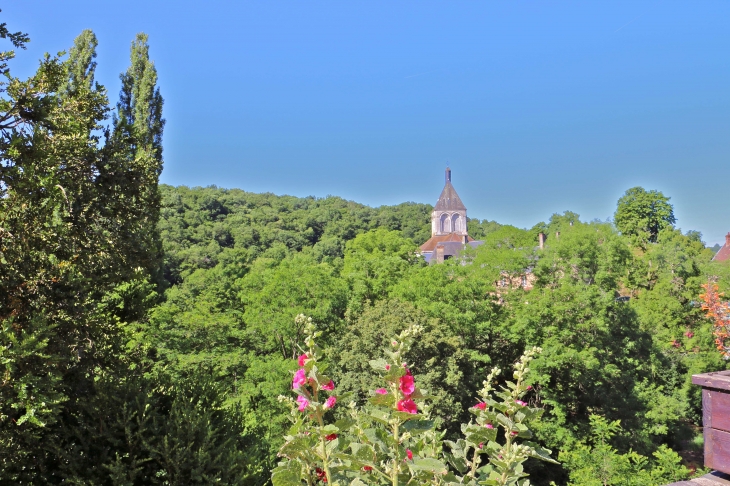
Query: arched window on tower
[456, 223]
[445, 224]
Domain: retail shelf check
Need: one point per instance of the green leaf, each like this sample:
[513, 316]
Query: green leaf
[289, 474]
[428, 464]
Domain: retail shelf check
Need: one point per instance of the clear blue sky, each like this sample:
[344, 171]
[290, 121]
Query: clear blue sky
[538, 107]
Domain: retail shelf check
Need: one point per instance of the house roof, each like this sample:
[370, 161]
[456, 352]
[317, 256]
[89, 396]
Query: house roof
[430, 245]
[724, 252]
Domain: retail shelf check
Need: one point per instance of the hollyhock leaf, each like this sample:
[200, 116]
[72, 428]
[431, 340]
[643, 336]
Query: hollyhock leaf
[330, 429]
[458, 463]
[363, 452]
[416, 427]
[434, 466]
[404, 416]
[382, 400]
[378, 437]
[287, 474]
[539, 453]
[379, 416]
[344, 424]
[378, 364]
[476, 434]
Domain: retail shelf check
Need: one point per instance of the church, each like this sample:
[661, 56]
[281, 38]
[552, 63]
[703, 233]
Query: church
[449, 234]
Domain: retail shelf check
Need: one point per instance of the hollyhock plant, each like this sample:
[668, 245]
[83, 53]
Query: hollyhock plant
[409, 450]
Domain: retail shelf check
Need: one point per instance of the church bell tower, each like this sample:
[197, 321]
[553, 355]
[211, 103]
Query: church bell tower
[449, 214]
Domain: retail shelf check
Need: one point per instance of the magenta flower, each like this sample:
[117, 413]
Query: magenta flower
[329, 386]
[529, 387]
[303, 403]
[689, 334]
[489, 426]
[520, 403]
[381, 391]
[480, 406]
[330, 403]
[302, 359]
[300, 378]
[407, 405]
[409, 454]
[407, 385]
[387, 367]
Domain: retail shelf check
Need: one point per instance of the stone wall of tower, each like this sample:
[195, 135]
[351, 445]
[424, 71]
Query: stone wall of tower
[446, 222]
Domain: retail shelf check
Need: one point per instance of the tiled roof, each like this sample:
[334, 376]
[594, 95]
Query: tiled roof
[430, 245]
[723, 254]
[449, 200]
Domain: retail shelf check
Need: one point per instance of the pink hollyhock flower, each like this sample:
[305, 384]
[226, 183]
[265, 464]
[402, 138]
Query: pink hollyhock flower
[489, 426]
[300, 378]
[407, 386]
[689, 334]
[409, 454]
[330, 437]
[330, 402]
[302, 359]
[529, 387]
[480, 406]
[513, 433]
[303, 403]
[481, 445]
[520, 403]
[367, 468]
[381, 391]
[329, 386]
[387, 367]
[407, 405]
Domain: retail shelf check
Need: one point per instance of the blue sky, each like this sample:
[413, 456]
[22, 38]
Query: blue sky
[538, 107]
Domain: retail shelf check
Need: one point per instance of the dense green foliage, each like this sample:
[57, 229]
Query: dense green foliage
[147, 331]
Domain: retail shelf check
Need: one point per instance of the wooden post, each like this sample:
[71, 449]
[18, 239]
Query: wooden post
[716, 418]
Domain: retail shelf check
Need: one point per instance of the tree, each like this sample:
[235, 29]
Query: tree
[69, 239]
[643, 214]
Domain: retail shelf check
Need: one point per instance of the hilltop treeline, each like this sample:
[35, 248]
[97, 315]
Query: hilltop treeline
[148, 331]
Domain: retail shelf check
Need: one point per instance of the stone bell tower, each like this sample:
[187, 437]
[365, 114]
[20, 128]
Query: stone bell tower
[449, 215]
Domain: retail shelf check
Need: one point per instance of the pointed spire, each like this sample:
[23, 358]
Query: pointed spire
[449, 199]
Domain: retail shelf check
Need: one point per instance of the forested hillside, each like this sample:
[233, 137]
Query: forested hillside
[148, 331]
[241, 266]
